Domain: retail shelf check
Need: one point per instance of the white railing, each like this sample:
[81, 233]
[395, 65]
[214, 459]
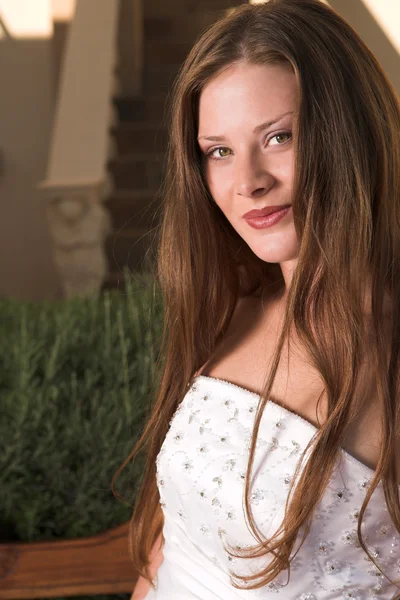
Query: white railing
[77, 182]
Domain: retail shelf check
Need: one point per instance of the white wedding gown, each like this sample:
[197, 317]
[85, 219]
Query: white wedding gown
[200, 476]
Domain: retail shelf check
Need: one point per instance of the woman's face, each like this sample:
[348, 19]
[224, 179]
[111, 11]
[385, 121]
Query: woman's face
[245, 134]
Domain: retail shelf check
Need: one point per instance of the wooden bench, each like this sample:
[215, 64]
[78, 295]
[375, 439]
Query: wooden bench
[99, 564]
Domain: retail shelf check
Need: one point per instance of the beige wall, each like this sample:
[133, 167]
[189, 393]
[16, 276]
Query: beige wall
[387, 15]
[26, 112]
[27, 19]
[380, 36]
[63, 10]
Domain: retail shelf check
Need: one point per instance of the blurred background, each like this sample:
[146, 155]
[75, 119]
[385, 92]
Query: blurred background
[83, 134]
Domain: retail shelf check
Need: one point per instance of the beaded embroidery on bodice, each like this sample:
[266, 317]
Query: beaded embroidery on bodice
[200, 476]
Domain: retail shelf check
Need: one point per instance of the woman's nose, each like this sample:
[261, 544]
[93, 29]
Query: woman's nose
[251, 178]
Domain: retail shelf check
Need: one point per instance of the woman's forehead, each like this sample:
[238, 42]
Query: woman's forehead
[254, 93]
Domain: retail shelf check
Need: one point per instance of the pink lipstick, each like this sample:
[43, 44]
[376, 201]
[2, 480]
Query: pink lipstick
[266, 217]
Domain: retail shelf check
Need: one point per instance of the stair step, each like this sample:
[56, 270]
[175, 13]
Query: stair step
[137, 171]
[186, 7]
[181, 26]
[161, 7]
[194, 6]
[159, 27]
[134, 109]
[129, 247]
[139, 137]
[157, 52]
[134, 209]
[159, 78]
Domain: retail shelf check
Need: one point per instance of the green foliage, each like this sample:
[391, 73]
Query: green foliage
[75, 387]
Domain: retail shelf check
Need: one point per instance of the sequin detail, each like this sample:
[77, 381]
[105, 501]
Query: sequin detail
[201, 471]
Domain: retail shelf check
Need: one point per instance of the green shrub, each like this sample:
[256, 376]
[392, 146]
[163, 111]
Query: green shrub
[75, 383]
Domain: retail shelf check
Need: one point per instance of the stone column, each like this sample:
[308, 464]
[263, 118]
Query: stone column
[78, 224]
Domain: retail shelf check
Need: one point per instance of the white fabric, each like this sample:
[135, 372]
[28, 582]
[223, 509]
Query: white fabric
[200, 476]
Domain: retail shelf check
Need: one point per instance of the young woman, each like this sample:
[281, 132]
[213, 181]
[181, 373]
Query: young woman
[273, 463]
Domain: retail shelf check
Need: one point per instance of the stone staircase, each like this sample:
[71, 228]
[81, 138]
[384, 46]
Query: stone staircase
[170, 28]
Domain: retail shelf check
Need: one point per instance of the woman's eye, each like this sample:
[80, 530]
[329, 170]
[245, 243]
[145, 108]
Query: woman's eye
[282, 134]
[223, 152]
[218, 153]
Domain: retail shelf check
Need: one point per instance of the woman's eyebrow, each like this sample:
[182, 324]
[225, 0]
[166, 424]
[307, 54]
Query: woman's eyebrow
[267, 124]
[258, 129]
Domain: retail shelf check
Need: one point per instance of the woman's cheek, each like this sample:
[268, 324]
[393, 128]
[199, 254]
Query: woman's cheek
[219, 186]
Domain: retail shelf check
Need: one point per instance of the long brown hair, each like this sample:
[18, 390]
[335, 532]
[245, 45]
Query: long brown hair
[346, 210]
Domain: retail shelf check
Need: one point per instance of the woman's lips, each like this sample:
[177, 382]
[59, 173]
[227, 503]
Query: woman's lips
[264, 212]
[261, 222]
